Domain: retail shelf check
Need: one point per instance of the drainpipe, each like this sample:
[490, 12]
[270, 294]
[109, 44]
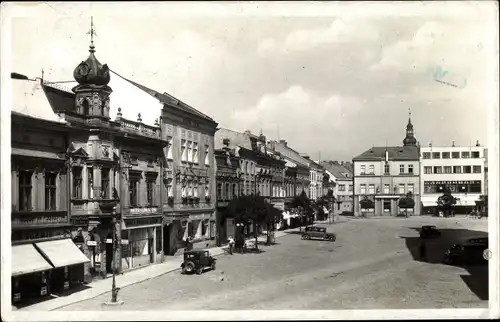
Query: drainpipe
[68, 179]
[161, 206]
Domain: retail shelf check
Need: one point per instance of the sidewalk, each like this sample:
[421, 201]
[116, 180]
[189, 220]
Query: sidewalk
[100, 287]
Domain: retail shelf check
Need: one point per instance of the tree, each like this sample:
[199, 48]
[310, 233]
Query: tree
[302, 204]
[407, 202]
[446, 202]
[366, 203]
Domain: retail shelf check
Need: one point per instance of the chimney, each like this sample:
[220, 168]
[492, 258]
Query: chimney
[453, 143]
[283, 142]
[430, 145]
[477, 143]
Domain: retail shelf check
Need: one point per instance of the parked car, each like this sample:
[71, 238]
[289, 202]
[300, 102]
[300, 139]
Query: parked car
[197, 260]
[319, 233]
[429, 232]
[469, 252]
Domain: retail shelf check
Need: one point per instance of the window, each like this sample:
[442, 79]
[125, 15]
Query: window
[195, 153]
[150, 187]
[183, 150]
[401, 168]
[447, 169]
[426, 155]
[207, 157]
[477, 169]
[363, 169]
[436, 155]
[204, 227]
[90, 181]
[350, 187]
[465, 155]
[401, 188]
[475, 154]
[190, 189]
[446, 155]
[387, 205]
[207, 190]
[455, 155]
[195, 190]
[219, 191]
[25, 190]
[371, 189]
[169, 148]
[189, 151]
[387, 189]
[341, 187]
[77, 183]
[105, 183]
[467, 169]
[410, 168]
[457, 169]
[50, 191]
[438, 170]
[133, 198]
[169, 189]
[372, 169]
[387, 168]
[410, 187]
[227, 192]
[363, 189]
[235, 191]
[427, 170]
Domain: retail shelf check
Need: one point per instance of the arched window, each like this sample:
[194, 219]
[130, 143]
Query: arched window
[85, 107]
[103, 104]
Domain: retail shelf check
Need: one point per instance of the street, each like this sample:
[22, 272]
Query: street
[372, 265]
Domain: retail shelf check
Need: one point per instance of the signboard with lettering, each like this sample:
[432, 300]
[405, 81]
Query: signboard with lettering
[150, 210]
[43, 290]
[450, 182]
[91, 243]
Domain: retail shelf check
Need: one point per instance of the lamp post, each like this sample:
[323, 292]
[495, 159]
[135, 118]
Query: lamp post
[114, 289]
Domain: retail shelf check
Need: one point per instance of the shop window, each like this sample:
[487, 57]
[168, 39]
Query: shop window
[105, 183]
[387, 205]
[50, 191]
[204, 228]
[25, 190]
[150, 192]
[475, 188]
[77, 182]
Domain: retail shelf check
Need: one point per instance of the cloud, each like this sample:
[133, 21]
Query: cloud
[340, 31]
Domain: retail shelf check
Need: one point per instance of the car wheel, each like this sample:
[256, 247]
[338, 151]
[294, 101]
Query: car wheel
[189, 268]
[213, 266]
[199, 270]
[333, 239]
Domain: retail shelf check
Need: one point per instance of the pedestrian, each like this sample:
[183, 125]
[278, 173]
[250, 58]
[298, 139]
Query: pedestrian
[423, 256]
[231, 245]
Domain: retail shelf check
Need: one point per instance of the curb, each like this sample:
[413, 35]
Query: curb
[136, 282]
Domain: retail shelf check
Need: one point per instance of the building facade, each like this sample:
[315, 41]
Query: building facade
[384, 175]
[342, 177]
[460, 169]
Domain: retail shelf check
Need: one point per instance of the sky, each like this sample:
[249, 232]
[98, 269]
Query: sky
[331, 80]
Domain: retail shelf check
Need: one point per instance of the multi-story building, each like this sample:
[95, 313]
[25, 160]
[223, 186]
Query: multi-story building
[229, 183]
[297, 172]
[340, 173]
[383, 175]
[44, 258]
[460, 169]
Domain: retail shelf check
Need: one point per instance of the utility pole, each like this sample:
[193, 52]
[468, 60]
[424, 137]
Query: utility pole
[114, 289]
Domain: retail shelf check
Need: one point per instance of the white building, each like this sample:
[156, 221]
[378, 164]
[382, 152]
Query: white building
[461, 169]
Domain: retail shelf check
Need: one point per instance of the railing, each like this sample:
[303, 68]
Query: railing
[140, 128]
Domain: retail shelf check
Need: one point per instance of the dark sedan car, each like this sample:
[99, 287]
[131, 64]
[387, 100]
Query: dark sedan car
[469, 252]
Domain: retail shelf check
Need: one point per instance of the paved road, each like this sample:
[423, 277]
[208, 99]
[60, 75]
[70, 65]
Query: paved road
[370, 266]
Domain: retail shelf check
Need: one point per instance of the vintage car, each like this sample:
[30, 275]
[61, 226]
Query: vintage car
[429, 232]
[318, 233]
[468, 252]
[197, 260]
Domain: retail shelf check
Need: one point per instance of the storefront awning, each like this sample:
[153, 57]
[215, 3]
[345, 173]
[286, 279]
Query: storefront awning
[26, 259]
[62, 252]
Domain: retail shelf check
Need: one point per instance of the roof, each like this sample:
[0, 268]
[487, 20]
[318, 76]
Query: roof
[28, 99]
[337, 169]
[395, 153]
[167, 99]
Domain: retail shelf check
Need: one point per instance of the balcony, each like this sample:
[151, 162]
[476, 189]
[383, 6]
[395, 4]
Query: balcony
[139, 128]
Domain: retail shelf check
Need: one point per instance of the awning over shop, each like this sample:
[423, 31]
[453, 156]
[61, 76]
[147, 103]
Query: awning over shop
[62, 252]
[36, 154]
[26, 259]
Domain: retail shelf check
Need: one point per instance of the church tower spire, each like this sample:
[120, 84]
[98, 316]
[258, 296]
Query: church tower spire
[410, 138]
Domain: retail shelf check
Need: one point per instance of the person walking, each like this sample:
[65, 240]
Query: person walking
[231, 245]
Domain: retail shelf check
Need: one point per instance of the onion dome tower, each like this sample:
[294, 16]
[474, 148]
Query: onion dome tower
[410, 138]
[92, 92]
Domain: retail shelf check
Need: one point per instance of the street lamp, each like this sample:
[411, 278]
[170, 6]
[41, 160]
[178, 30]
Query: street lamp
[114, 289]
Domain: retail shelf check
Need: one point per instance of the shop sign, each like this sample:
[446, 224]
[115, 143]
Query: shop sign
[91, 243]
[43, 290]
[150, 210]
[451, 182]
[17, 297]
[66, 285]
[123, 241]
